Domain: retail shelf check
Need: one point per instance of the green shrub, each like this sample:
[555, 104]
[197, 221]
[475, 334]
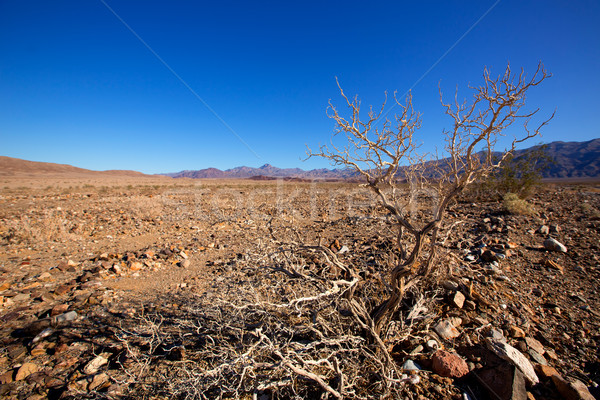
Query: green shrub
[520, 174]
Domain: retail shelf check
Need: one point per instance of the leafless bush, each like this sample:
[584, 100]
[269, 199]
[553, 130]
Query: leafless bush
[385, 154]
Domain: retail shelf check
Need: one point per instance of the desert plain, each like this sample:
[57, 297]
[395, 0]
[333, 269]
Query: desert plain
[116, 286]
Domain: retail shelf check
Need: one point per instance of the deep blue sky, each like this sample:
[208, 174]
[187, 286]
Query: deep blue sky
[78, 87]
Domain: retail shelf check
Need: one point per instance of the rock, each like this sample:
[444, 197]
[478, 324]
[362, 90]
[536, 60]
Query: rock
[450, 285]
[537, 357]
[503, 382]
[492, 269]
[545, 371]
[554, 245]
[410, 365]
[544, 230]
[46, 277]
[93, 366]
[91, 284]
[571, 389]
[514, 356]
[458, 300]
[432, 344]
[496, 334]
[470, 305]
[53, 383]
[136, 266]
[343, 250]
[7, 377]
[38, 350]
[59, 309]
[446, 330]
[61, 348]
[21, 297]
[16, 352]
[25, 370]
[184, 263]
[551, 354]
[516, 332]
[64, 318]
[63, 289]
[42, 335]
[535, 345]
[449, 365]
[98, 381]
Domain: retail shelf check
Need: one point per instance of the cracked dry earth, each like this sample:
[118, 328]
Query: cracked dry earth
[153, 292]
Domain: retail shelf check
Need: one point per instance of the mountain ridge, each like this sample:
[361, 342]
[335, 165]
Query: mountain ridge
[572, 160]
[576, 160]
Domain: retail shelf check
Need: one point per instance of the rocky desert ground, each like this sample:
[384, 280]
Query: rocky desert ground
[132, 288]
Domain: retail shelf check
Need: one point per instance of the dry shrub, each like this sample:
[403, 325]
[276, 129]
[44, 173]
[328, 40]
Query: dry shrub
[513, 204]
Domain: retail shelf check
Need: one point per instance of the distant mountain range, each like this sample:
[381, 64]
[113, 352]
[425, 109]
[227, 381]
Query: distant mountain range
[571, 160]
[266, 171]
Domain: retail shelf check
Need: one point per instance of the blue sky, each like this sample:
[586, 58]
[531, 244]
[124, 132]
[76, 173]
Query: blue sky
[78, 87]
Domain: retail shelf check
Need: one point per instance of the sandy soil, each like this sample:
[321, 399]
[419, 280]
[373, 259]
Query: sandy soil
[142, 260]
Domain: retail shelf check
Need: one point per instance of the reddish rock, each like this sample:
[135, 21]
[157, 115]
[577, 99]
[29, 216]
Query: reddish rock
[136, 266]
[545, 371]
[63, 289]
[61, 348]
[59, 309]
[572, 389]
[516, 332]
[449, 365]
[7, 377]
[25, 370]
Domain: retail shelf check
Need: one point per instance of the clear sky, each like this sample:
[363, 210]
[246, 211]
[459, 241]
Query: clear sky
[77, 86]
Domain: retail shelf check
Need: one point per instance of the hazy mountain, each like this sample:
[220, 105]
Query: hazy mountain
[571, 160]
[266, 170]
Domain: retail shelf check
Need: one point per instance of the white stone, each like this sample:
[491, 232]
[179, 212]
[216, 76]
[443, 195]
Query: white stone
[514, 356]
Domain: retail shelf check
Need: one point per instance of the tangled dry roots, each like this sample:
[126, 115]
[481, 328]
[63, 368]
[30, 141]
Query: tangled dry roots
[295, 324]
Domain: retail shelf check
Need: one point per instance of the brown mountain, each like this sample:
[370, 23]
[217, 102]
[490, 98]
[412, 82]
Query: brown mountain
[16, 167]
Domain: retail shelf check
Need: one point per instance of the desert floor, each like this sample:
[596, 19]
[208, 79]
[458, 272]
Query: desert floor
[160, 288]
